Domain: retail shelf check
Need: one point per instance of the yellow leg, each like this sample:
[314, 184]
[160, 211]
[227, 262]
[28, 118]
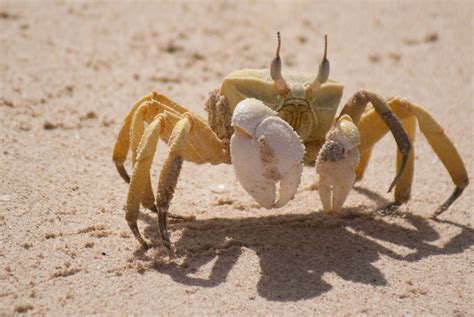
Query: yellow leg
[372, 129]
[136, 133]
[403, 188]
[444, 149]
[189, 139]
[146, 151]
[357, 107]
[122, 142]
[140, 189]
[169, 175]
[144, 112]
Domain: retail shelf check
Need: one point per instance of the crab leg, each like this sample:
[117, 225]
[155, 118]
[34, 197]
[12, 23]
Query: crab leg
[372, 129]
[444, 149]
[145, 113]
[377, 130]
[189, 139]
[146, 150]
[169, 176]
[356, 107]
[148, 108]
[122, 142]
[403, 188]
[136, 134]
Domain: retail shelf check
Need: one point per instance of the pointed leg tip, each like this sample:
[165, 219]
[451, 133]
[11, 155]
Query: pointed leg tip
[134, 228]
[394, 182]
[169, 248]
[162, 225]
[166, 243]
[439, 211]
[451, 199]
[123, 172]
[434, 217]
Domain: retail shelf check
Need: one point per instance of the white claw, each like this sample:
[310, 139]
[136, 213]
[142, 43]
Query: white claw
[265, 150]
[336, 162]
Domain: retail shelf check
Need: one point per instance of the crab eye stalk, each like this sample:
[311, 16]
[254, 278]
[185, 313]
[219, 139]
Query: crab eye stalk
[323, 71]
[275, 69]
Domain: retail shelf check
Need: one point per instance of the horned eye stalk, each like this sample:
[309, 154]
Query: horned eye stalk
[321, 78]
[323, 71]
[275, 70]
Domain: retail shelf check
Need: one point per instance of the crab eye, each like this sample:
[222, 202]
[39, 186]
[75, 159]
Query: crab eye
[275, 69]
[323, 71]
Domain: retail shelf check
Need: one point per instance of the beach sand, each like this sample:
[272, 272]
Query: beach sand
[70, 71]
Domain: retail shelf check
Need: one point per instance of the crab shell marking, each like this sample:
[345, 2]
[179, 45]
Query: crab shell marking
[265, 150]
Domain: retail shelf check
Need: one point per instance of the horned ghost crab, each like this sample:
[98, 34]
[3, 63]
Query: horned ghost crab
[268, 124]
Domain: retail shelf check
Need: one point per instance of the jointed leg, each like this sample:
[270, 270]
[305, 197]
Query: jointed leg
[140, 175]
[403, 188]
[190, 139]
[365, 154]
[169, 176]
[122, 142]
[211, 149]
[136, 133]
[356, 107]
[444, 149]
[140, 189]
[144, 112]
[372, 128]
[140, 181]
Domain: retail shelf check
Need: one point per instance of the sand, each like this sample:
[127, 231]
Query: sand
[69, 73]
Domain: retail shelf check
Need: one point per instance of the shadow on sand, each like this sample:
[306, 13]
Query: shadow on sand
[296, 250]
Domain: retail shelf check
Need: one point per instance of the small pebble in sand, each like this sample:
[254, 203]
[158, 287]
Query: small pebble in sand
[23, 308]
[218, 188]
[5, 197]
[374, 58]
[49, 126]
[90, 115]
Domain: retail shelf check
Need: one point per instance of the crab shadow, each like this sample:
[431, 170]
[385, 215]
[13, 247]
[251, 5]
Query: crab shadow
[295, 251]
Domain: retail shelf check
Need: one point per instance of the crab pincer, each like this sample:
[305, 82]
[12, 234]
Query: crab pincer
[336, 162]
[265, 150]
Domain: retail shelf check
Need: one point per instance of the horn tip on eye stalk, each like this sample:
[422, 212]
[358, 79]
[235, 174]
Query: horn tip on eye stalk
[275, 69]
[325, 46]
[323, 70]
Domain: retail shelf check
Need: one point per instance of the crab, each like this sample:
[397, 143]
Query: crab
[268, 124]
